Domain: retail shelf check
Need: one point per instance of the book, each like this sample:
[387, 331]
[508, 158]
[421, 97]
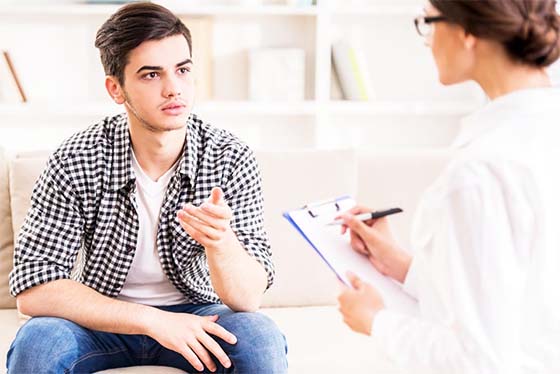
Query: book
[11, 89]
[351, 69]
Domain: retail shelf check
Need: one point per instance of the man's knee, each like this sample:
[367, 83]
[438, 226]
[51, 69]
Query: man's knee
[43, 344]
[260, 344]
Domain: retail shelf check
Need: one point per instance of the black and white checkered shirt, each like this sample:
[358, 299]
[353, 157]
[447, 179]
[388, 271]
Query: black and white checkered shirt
[84, 199]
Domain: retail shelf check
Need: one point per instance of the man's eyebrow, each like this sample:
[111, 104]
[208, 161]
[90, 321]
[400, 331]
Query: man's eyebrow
[148, 67]
[159, 68]
[187, 61]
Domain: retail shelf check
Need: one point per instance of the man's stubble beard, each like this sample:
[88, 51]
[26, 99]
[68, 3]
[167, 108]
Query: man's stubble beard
[147, 125]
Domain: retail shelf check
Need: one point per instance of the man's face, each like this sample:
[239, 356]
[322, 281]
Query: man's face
[159, 84]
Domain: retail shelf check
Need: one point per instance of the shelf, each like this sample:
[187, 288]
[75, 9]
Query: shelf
[58, 110]
[211, 10]
[256, 108]
[378, 10]
[108, 9]
[378, 108]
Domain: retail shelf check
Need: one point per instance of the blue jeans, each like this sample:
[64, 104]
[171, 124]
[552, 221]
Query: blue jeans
[56, 345]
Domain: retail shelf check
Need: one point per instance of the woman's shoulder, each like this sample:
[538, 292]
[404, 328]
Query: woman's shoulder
[488, 174]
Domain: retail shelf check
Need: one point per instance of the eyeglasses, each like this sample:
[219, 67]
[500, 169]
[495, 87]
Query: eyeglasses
[424, 24]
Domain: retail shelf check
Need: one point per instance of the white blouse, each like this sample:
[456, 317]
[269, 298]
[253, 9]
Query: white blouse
[486, 244]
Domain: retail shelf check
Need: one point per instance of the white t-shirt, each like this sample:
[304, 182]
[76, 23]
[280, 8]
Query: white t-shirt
[146, 283]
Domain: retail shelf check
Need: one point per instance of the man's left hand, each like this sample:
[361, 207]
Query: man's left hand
[208, 224]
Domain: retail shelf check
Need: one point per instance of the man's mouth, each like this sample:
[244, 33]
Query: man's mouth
[174, 108]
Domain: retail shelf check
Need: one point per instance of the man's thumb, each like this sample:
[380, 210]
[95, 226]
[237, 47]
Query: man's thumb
[216, 195]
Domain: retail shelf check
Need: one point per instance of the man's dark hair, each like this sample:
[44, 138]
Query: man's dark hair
[129, 27]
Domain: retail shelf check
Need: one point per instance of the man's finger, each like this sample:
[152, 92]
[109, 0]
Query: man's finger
[213, 318]
[189, 355]
[215, 348]
[218, 211]
[203, 355]
[194, 233]
[202, 227]
[202, 216]
[220, 332]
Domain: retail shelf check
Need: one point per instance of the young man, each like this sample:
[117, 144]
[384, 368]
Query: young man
[168, 213]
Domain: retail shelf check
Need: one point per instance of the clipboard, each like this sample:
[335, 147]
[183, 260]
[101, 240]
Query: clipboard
[335, 250]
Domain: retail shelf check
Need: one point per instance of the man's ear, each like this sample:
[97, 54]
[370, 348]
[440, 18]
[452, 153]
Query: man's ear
[114, 89]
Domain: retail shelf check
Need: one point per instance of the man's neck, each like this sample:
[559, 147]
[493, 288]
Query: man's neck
[156, 152]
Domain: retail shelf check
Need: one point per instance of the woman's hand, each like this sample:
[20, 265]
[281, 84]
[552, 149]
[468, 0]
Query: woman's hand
[359, 305]
[374, 239]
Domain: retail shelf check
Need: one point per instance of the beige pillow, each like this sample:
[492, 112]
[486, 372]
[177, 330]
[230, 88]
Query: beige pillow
[6, 235]
[292, 179]
[25, 169]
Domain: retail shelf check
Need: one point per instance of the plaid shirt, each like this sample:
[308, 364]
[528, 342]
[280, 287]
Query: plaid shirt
[84, 200]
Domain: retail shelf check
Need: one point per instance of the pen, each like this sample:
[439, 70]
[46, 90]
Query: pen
[370, 215]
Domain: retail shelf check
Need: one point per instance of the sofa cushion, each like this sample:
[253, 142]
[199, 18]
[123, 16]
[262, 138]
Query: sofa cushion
[398, 178]
[25, 169]
[6, 235]
[292, 179]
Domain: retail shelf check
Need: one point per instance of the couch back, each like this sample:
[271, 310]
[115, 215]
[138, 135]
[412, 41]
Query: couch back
[6, 234]
[290, 180]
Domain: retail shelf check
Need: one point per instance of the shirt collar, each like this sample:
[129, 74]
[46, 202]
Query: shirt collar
[123, 174]
[191, 150]
[122, 171]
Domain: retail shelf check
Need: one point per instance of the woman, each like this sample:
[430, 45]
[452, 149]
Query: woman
[486, 238]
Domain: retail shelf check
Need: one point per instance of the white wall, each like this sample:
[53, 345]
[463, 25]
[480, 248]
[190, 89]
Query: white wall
[52, 48]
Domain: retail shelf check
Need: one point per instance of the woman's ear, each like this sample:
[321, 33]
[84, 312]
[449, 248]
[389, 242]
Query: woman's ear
[469, 41]
[114, 89]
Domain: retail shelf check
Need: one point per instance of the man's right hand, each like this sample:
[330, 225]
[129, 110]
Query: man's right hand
[190, 335]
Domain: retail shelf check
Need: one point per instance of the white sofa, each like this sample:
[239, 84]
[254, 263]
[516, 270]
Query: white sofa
[303, 299]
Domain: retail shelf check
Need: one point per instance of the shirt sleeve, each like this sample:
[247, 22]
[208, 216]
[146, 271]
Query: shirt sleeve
[475, 257]
[410, 285]
[244, 196]
[50, 237]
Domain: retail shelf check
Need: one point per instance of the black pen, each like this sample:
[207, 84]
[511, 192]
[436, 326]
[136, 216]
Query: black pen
[370, 215]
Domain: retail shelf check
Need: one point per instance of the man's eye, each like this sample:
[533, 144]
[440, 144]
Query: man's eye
[184, 70]
[151, 75]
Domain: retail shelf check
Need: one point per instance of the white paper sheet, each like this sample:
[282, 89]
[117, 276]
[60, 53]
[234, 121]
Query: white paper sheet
[336, 251]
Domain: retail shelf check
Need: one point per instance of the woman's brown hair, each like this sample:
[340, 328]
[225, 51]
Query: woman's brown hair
[528, 29]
